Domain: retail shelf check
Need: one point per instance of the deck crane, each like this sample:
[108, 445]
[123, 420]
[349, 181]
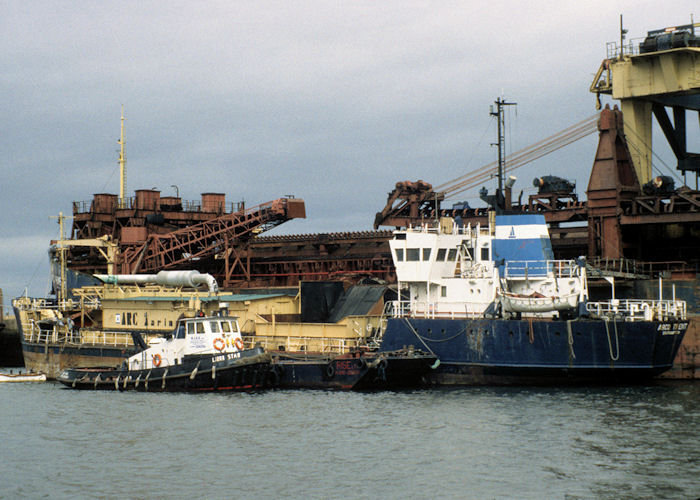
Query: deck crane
[411, 202]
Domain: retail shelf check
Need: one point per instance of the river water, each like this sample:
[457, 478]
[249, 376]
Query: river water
[639, 442]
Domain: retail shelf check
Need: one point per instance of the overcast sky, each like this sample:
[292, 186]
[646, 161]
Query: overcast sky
[331, 101]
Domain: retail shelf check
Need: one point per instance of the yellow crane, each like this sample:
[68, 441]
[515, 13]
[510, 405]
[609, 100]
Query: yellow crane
[648, 76]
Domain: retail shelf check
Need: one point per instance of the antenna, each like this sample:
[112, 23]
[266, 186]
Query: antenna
[122, 165]
[623, 32]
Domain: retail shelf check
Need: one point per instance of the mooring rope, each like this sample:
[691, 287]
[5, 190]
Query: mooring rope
[441, 340]
[571, 339]
[418, 336]
[617, 342]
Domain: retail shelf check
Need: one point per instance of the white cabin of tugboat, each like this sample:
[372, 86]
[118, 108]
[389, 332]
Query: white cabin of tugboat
[202, 335]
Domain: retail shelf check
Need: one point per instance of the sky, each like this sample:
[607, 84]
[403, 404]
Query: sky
[330, 101]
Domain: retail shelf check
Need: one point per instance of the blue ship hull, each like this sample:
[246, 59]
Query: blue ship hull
[497, 351]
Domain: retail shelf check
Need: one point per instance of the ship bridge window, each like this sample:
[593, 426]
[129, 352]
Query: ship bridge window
[200, 326]
[180, 332]
[412, 254]
[485, 253]
[214, 326]
[452, 255]
[225, 326]
[399, 255]
[426, 254]
[190, 328]
[441, 254]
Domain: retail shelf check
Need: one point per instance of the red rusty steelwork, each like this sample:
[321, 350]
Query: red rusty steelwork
[407, 203]
[156, 232]
[616, 223]
[613, 182]
[348, 256]
[215, 237]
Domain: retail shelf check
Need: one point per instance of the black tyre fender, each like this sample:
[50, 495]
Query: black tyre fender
[381, 370]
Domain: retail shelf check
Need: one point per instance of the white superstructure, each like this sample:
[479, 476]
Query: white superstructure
[211, 335]
[453, 271]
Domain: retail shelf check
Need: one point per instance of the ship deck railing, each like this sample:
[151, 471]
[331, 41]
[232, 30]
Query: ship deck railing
[526, 269]
[30, 303]
[431, 310]
[625, 309]
[57, 334]
[60, 334]
[300, 344]
[456, 229]
[132, 203]
[85, 302]
[638, 309]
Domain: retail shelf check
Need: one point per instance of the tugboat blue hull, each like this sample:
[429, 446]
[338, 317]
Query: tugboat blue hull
[522, 352]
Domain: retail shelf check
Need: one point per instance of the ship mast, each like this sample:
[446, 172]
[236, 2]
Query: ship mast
[122, 166]
[500, 103]
[62, 257]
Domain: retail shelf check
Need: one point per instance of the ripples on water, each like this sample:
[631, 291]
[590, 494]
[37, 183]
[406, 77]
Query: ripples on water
[640, 442]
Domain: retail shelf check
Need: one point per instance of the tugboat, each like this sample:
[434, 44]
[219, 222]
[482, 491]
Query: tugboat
[204, 353]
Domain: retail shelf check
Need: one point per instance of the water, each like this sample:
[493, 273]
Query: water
[640, 442]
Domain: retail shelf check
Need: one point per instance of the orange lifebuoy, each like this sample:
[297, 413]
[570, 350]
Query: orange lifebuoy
[219, 344]
[156, 360]
[239, 343]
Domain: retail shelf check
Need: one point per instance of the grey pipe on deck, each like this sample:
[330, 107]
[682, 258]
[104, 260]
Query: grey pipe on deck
[172, 278]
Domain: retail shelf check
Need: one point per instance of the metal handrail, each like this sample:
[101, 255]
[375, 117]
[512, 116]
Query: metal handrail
[294, 344]
[637, 309]
[61, 334]
[129, 203]
[429, 310]
[538, 268]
